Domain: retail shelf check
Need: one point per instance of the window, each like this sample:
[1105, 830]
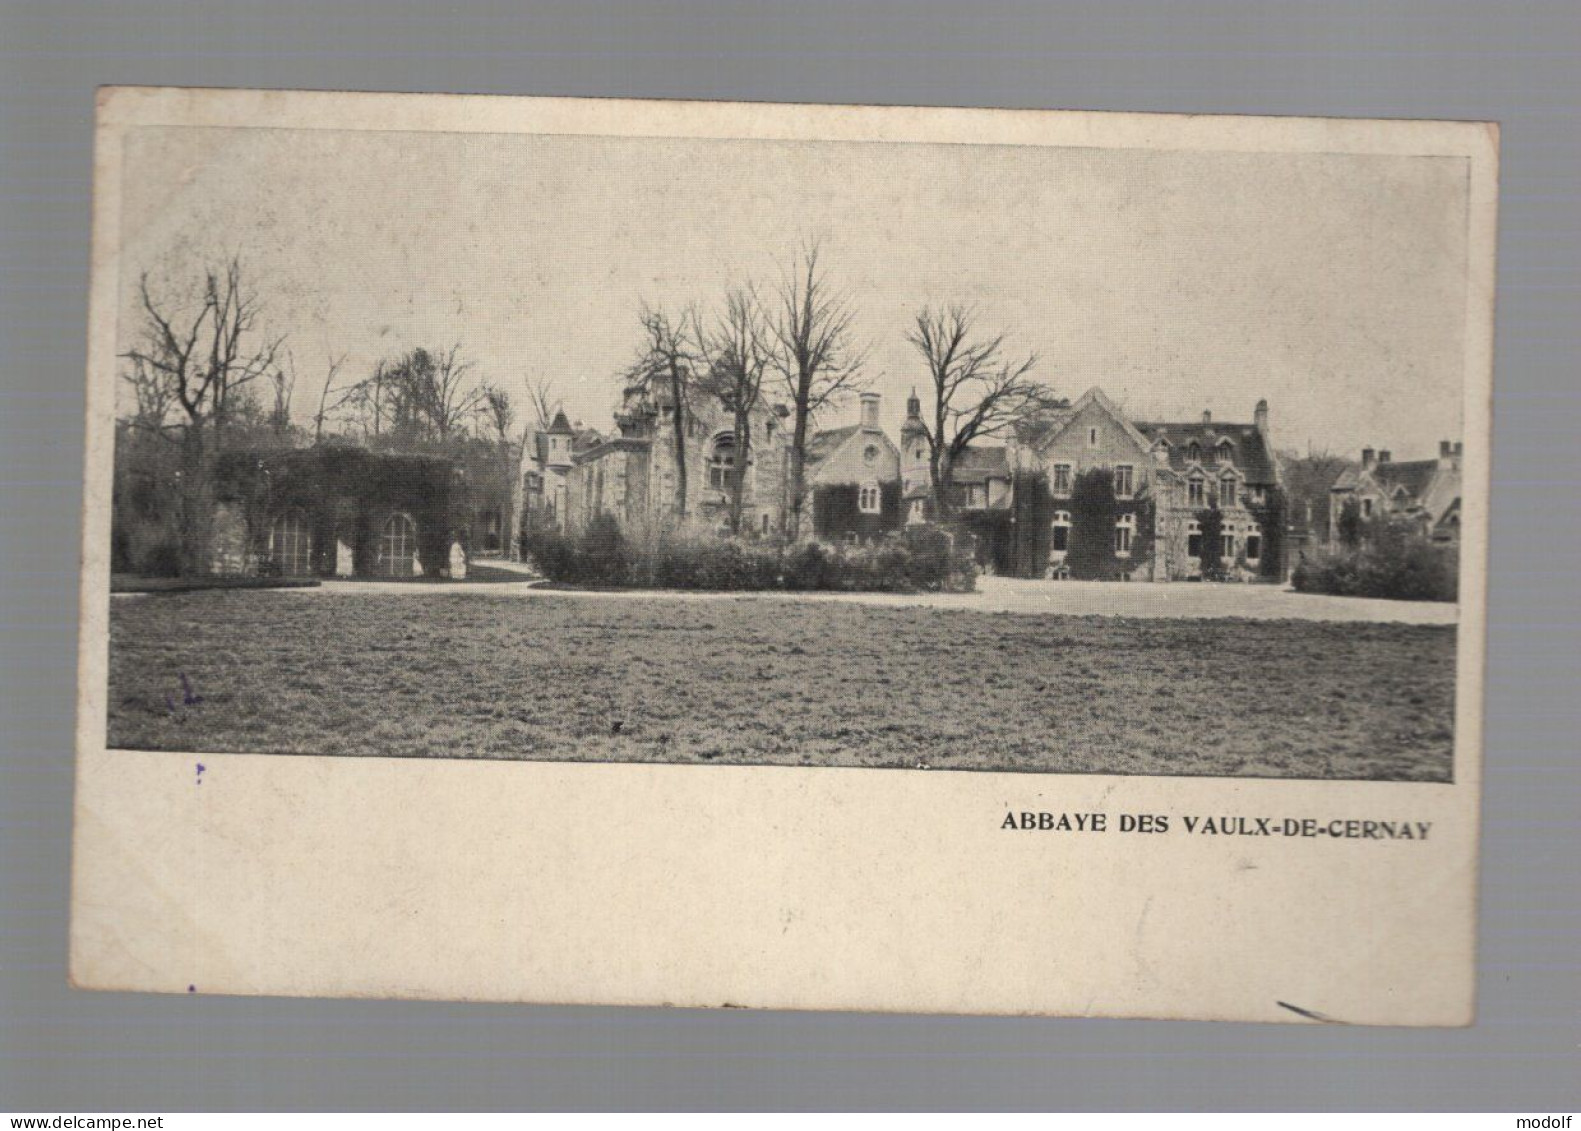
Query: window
[1061, 485]
[765, 522]
[1194, 539]
[291, 545]
[1194, 491]
[768, 429]
[1124, 531]
[921, 454]
[1194, 452]
[869, 500]
[1227, 544]
[1256, 496]
[398, 547]
[1124, 481]
[976, 496]
[1227, 494]
[1225, 452]
[491, 531]
[1366, 508]
[1254, 543]
[722, 462]
[1060, 541]
[1092, 437]
[870, 454]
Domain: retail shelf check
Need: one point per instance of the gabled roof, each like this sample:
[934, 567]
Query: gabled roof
[1094, 396]
[1252, 459]
[980, 464]
[825, 443]
[1414, 475]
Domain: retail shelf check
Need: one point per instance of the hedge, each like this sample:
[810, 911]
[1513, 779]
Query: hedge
[1393, 560]
[919, 559]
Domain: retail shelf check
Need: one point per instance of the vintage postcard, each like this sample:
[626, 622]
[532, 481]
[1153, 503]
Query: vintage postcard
[815, 557]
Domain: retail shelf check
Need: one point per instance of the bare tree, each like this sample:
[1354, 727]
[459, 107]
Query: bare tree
[154, 397]
[666, 364]
[325, 406]
[205, 353]
[815, 354]
[736, 351]
[283, 380]
[977, 390]
[421, 396]
[499, 411]
[542, 401]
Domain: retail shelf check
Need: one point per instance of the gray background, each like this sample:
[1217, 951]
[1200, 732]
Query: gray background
[1516, 62]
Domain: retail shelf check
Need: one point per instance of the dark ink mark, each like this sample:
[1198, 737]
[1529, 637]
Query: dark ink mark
[189, 698]
[1309, 1014]
[201, 768]
[192, 989]
[614, 727]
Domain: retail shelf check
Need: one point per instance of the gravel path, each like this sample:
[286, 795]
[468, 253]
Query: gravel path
[1003, 595]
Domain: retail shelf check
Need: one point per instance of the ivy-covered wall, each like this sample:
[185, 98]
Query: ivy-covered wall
[347, 494]
[837, 511]
[1271, 517]
[1094, 514]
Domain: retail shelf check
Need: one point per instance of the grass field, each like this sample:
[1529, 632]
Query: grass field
[752, 680]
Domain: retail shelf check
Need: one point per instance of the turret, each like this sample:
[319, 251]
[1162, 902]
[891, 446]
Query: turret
[560, 437]
[914, 463]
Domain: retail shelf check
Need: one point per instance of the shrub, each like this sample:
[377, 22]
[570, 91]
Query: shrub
[919, 559]
[599, 556]
[162, 559]
[1394, 561]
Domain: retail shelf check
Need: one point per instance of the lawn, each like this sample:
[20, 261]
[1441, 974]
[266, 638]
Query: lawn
[767, 680]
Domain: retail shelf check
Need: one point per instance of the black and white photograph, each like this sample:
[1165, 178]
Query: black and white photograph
[1034, 458]
[617, 552]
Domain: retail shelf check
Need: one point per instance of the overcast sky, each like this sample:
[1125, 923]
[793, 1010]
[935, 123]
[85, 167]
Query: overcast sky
[1332, 285]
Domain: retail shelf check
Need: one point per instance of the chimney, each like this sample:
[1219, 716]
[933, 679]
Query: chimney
[1260, 418]
[1207, 417]
[1445, 449]
[870, 412]
[1366, 458]
[1383, 456]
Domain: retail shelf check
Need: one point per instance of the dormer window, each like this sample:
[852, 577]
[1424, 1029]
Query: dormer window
[1194, 452]
[1225, 452]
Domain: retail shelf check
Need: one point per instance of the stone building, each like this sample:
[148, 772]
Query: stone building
[1158, 478]
[572, 474]
[1425, 491]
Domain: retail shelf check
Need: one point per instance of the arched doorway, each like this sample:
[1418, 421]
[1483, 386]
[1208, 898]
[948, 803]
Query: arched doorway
[398, 547]
[291, 545]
